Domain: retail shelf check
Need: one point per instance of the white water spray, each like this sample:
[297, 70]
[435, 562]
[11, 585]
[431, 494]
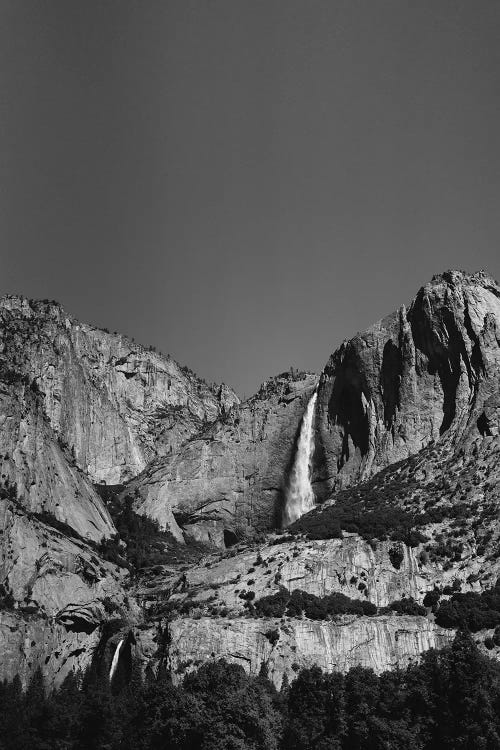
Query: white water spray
[114, 663]
[299, 494]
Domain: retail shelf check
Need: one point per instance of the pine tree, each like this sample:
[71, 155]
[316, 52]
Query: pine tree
[315, 711]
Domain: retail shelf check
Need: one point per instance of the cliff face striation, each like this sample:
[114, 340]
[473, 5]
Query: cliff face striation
[56, 595]
[231, 478]
[406, 465]
[39, 469]
[114, 403]
[379, 643]
[415, 376]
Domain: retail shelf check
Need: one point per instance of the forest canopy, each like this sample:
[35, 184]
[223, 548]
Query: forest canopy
[450, 700]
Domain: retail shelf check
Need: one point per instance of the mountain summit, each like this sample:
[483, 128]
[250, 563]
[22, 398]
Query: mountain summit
[141, 507]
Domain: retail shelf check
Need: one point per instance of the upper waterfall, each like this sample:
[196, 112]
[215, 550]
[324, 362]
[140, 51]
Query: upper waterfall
[299, 496]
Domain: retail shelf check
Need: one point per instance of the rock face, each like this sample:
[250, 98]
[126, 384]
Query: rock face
[420, 375]
[56, 596]
[234, 473]
[114, 403]
[28, 643]
[416, 375]
[418, 393]
[348, 566]
[77, 405]
[379, 643]
[33, 461]
[47, 570]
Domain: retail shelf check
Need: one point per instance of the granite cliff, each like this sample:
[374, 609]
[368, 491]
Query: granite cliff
[229, 480]
[40, 469]
[405, 467]
[418, 375]
[114, 403]
[415, 376]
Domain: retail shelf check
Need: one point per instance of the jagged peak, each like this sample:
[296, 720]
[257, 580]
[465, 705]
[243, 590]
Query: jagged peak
[457, 276]
[451, 279]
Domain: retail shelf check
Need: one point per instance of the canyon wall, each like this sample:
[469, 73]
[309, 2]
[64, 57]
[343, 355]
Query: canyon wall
[414, 376]
[79, 405]
[379, 643]
[115, 404]
[231, 477]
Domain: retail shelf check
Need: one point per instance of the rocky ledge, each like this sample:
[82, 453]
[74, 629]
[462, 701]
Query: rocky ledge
[380, 643]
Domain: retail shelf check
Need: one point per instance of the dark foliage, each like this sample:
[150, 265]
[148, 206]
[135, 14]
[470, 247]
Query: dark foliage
[219, 706]
[471, 610]
[50, 520]
[450, 700]
[431, 598]
[300, 603]
[140, 543]
[407, 606]
[8, 491]
[6, 598]
[383, 508]
[273, 605]
[8, 376]
[396, 556]
[372, 517]
[273, 636]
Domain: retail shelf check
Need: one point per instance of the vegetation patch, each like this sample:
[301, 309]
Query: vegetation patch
[300, 603]
[474, 611]
[371, 520]
[140, 543]
[407, 606]
[448, 701]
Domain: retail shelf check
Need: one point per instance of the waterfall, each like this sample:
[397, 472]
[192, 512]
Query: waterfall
[114, 663]
[299, 496]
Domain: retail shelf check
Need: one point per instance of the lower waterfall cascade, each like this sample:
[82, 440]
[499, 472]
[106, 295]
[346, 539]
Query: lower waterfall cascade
[114, 663]
[299, 495]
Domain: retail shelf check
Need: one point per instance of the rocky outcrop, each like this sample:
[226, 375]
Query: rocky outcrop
[379, 643]
[76, 404]
[416, 375]
[234, 473]
[115, 404]
[418, 393]
[47, 570]
[348, 566]
[420, 375]
[27, 643]
[56, 595]
[38, 467]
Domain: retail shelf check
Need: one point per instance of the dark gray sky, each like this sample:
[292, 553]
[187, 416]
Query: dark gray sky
[245, 183]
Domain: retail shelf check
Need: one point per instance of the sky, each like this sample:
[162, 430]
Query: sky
[245, 183]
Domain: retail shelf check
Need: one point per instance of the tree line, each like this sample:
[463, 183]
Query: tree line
[450, 700]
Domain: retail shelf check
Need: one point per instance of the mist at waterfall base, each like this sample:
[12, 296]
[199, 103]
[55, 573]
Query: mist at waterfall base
[299, 496]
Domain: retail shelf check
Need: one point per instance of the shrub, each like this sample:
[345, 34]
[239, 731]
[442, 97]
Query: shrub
[407, 606]
[247, 595]
[496, 636]
[372, 518]
[300, 603]
[273, 605]
[146, 545]
[272, 636]
[396, 556]
[471, 610]
[431, 598]
[6, 598]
